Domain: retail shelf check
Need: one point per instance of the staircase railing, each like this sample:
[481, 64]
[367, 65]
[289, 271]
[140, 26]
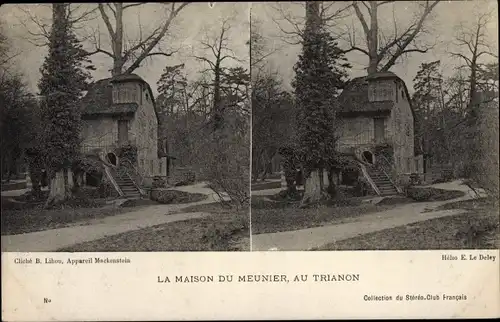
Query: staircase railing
[384, 170]
[107, 170]
[133, 173]
[368, 178]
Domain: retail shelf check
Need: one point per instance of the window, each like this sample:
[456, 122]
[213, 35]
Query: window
[408, 164]
[151, 169]
[160, 165]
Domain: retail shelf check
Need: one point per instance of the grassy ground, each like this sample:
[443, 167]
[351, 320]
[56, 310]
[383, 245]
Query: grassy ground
[278, 216]
[223, 230]
[139, 202]
[281, 214]
[19, 218]
[165, 196]
[13, 186]
[434, 194]
[26, 213]
[478, 228]
[265, 185]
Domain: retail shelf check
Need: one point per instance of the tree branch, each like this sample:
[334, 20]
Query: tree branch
[132, 5]
[361, 18]
[411, 37]
[155, 40]
[105, 17]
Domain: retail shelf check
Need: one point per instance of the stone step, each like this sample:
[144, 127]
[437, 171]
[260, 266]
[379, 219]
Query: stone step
[125, 183]
[384, 184]
[129, 188]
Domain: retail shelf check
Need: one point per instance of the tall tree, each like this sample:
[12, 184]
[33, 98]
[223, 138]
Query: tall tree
[292, 25]
[472, 41]
[427, 102]
[273, 118]
[127, 54]
[63, 80]
[16, 104]
[382, 56]
[320, 73]
[219, 47]
[381, 50]
[127, 57]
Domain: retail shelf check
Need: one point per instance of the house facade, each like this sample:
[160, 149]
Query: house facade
[376, 124]
[119, 112]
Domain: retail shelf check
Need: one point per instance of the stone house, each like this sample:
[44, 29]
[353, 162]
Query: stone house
[376, 128]
[120, 112]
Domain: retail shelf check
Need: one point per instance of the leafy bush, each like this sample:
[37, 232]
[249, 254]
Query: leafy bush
[447, 175]
[361, 188]
[159, 182]
[173, 196]
[419, 194]
[432, 194]
[127, 152]
[415, 179]
[475, 232]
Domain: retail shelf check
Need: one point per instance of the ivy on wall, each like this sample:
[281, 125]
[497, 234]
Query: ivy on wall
[127, 152]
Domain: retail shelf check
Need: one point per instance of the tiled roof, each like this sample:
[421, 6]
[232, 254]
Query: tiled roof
[354, 97]
[98, 100]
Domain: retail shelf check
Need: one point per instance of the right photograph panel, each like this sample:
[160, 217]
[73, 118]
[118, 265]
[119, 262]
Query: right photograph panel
[374, 125]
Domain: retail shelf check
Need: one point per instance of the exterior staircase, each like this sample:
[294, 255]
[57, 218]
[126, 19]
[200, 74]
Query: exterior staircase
[382, 181]
[125, 183]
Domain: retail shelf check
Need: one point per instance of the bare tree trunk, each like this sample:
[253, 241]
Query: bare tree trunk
[118, 41]
[57, 191]
[312, 189]
[60, 187]
[372, 40]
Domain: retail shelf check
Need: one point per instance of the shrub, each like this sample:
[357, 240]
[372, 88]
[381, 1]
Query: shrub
[127, 152]
[432, 194]
[159, 182]
[419, 194]
[415, 179]
[106, 190]
[173, 196]
[447, 175]
[361, 188]
[287, 195]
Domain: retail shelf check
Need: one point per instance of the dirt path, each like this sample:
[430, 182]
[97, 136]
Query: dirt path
[54, 239]
[306, 239]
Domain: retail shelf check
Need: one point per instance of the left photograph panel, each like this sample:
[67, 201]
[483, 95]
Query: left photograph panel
[125, 127]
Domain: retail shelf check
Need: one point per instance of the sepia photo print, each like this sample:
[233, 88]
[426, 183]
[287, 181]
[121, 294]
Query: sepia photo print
[249, 160]
[374, 125]
[125, 127]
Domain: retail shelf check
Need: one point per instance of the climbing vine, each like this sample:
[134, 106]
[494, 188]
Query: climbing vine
[127, 152]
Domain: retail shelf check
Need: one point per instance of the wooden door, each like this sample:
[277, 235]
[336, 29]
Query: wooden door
[379, 124]
[122, 132]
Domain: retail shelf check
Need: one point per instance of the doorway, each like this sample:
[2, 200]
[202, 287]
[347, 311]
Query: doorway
[368, 157]
[112, 158]
[379, 128]
[122, 132]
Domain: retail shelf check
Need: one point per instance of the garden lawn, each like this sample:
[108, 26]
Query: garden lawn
[265, 185]
[279, 216]
[478, 228]
[26, 218]
[225, 229]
